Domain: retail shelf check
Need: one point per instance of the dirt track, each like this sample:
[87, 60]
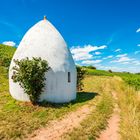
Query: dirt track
[56, 129]
[111, 133]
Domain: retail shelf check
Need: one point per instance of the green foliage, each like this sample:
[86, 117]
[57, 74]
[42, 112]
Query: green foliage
[98, 72]
[30, 74]
[90, 67]
[110, 71]
[130, 79]
[80, 76]
[6, 54]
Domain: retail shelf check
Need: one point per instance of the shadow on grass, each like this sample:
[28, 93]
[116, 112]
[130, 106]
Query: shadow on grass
[81, 98]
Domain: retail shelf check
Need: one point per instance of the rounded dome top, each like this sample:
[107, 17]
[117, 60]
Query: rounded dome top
[43, 40]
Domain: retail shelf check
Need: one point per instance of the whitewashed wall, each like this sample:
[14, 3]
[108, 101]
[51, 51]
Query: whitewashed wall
[44, 41]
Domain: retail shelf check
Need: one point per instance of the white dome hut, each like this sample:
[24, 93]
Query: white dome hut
[43, 40]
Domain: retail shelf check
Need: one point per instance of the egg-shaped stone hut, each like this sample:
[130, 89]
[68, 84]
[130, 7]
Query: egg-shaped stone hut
[43, 40]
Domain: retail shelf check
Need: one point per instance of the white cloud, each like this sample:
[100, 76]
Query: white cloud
[91, 62]
[126, 62]
[83, 53]
[136, 62]
[138, 45]
[121, 55]
[136, 52]
[82, 56]
[138, 30]
[9, 43]
[122, 59]
[97, 53]
[117, 50]
[133, 69]
[110, 56]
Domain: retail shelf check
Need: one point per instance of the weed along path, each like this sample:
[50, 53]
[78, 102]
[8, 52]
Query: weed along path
[111, 133]
[56, 129]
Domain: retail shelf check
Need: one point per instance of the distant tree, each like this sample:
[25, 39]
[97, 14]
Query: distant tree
[80, 76]
[91, 67]
[138, 73]
[110, 71]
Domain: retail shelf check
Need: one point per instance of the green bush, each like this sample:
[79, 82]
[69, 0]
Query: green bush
[91, 67]
[80, 76]
[30, 74]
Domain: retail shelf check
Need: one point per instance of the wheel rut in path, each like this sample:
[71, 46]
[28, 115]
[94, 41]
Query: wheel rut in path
[56, 129]
[111, 132]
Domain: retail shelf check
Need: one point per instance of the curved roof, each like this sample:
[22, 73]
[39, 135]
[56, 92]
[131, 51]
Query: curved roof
[43, 40]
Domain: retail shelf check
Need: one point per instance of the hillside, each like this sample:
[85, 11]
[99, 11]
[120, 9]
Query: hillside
[6, 53]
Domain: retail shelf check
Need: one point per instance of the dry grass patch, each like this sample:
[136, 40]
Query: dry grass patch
[129, 103]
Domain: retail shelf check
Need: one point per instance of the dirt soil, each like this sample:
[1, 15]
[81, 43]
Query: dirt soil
[111, 133]
[56, 129]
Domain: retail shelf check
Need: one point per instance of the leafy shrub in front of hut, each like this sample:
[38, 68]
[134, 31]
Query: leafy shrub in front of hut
[30, 74]
[80, 76]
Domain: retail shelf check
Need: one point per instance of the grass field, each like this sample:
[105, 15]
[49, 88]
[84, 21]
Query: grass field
[129, 78]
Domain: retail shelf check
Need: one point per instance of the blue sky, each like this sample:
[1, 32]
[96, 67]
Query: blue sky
[103, 33]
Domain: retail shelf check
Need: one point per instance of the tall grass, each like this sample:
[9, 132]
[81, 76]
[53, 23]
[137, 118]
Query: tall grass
[129, 103]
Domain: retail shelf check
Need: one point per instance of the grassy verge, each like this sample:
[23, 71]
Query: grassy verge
[91, 127]
[129, 103]
[17, 119]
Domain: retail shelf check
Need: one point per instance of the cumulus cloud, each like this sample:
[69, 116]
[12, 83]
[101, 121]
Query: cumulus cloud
[113, 68]
[138, 30]
[82, 56]
[117, 50]
[97, 53]
[91, 62]
[136, 52]
[133, 69]
[108, 57]
[121, 55]
[136, 62]
[125, 62]
[9, 43]
[122, 59]
[83, 53]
